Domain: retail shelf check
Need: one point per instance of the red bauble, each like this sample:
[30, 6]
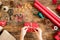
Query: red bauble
[2, 23]
[58, 8]
[54, 1]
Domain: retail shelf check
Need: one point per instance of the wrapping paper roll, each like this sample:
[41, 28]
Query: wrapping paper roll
[53, 12]
[48, 11]
[46, 14]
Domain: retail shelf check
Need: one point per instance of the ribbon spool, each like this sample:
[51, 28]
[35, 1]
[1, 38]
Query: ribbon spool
[19, 17]
[5, 8]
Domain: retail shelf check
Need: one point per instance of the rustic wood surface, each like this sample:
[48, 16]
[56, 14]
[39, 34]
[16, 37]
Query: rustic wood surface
[44, 24]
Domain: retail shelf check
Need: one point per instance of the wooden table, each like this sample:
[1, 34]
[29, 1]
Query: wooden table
[47, 30]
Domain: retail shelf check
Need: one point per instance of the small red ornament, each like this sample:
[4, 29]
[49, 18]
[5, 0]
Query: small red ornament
[58, 8]
[31, 26]
[54, 1]
[2, 23]
[57, 35]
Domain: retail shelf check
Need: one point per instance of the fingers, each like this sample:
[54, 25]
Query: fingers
[39, 30]
[23, 31]
[25, 28]
[36, 32]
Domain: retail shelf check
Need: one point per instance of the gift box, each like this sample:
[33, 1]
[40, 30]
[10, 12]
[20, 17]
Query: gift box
[31, 26]
[57, 35]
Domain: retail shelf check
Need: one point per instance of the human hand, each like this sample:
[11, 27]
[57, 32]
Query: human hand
[38, 33]
[23, 31]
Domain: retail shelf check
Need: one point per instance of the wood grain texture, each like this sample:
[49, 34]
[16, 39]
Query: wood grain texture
[44, 24]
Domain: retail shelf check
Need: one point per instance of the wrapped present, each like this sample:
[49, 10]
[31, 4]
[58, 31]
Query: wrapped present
[31, 26]
[57, 35]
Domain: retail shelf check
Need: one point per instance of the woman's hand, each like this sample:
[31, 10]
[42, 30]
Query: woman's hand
[38, 33]
[23, 32]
